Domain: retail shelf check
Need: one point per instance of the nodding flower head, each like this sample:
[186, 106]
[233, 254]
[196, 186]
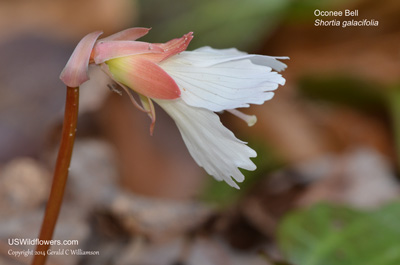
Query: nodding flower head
[189, 85]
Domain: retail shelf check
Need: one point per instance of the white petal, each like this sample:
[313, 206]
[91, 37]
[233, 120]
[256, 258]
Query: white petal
[224, 79]
[213, 146]
[221, 55]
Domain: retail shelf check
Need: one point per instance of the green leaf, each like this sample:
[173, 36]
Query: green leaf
[394, 106]
[352, 92]
[304, 10]
[216, 23]
[334, 235]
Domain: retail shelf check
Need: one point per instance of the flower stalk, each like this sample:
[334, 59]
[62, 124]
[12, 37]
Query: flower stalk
[60, 173]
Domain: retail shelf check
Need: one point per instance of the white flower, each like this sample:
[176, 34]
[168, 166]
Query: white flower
[215, 80]
[190, 86]
[211, 144]
[224, 79]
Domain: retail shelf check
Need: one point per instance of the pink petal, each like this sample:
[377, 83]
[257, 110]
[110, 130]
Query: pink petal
[171, 48]
[144, 77]
[107, 50]
[75, 71]
[128, 34]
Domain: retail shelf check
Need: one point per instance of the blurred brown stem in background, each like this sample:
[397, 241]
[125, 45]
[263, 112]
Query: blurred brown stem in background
[60, 173]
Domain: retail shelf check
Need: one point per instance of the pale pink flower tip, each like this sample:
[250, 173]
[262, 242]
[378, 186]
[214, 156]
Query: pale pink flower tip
[75, 71]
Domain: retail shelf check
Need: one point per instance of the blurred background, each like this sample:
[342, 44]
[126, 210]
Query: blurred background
[326, 187]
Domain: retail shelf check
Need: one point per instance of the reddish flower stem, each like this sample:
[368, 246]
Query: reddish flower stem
[60, 173]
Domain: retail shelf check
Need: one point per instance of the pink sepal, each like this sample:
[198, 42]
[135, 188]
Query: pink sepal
[144, 77]
[170, 48]
[75, 71]
[107, 50]
[128, 34]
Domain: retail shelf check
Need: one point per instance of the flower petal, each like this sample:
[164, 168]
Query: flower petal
[221, 81]
[128, 34]
[75, 71]
[223, 55]
[144, 77]
[170, 48]
[213, 146]
[107, 50]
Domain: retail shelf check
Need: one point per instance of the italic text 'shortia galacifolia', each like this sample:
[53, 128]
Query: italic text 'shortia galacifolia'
[189, 85]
